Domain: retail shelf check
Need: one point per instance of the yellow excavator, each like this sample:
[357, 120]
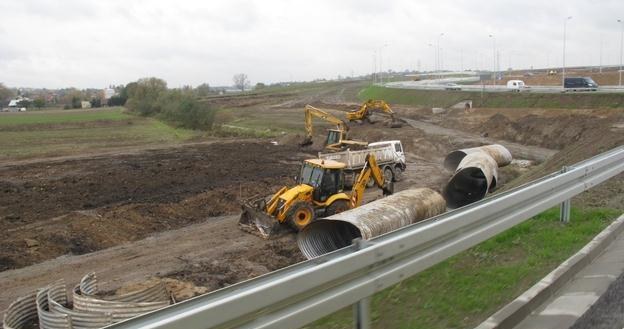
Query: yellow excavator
[337, 139]
[367, 108]
[319, 192]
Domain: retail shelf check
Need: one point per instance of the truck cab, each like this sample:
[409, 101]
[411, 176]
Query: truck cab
[396, 145]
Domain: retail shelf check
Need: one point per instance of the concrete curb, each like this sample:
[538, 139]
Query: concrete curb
[511, 314]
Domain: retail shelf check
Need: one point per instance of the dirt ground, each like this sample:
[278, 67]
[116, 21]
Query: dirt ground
[170, 213]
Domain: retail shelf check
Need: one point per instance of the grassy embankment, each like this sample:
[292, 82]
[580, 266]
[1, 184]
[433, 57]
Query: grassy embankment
[65, 132]
[465, 289]
[442, 98]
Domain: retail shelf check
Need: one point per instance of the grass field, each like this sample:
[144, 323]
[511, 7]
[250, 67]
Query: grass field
[465, 289]
[442, 98]
[56, 133]
[61, 116]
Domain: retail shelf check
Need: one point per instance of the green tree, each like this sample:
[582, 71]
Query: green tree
[96, 102]
[5, 93]
[143, 97]
[184, 110]
[259, 86]
[202, 90]
[39, 103]
[76, 103]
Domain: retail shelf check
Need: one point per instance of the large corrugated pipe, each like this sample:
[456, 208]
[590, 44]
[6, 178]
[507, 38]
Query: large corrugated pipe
[370, 220]
[476, 174]
[499, 153]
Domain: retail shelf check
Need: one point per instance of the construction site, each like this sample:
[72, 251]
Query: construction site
[157, 212]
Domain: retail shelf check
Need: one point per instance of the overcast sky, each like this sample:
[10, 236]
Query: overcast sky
[80, 43]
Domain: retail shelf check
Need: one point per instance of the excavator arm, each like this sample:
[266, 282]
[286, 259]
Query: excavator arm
[366, 109]
[310, 113]
[370, 169]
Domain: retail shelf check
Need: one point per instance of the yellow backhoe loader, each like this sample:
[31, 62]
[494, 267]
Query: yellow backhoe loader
[337, 139]
[319, 192]
[367, 108]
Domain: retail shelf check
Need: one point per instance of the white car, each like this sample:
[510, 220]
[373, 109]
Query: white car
[516, 85]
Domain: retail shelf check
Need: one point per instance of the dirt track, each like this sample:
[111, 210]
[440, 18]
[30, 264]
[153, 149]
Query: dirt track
[154, 209]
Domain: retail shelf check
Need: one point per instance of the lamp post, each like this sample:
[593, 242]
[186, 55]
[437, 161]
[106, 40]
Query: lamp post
[438, 61]
[621, 45]
[430, 45]
[565, 23]
[380, 63]
[493, 57]
[374, 65]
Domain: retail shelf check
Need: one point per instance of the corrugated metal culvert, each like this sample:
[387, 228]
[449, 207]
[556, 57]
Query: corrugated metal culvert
[51, 307]
[370, 220]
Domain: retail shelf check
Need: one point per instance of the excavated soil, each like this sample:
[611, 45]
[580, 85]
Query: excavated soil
[79, 206]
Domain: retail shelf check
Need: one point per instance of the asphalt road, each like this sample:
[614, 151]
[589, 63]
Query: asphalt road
[441, 85]
[608, 311]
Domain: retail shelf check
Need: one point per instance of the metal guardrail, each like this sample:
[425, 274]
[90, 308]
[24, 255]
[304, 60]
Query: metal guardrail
[302, 293]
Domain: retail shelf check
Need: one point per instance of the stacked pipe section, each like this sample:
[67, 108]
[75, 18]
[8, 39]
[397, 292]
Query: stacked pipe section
[370, 220]
[476, 173]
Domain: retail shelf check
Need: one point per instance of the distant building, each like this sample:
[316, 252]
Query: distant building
[107, 93]
[85, 105]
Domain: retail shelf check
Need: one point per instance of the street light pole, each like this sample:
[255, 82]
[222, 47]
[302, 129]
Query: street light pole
[565, 23]
[438, 60]
[494, 56]
[380, 63]
[621, 45]
[431, 46]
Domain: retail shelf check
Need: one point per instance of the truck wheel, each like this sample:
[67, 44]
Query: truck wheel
[398, 174]
[388, 175]
[337, 207]
[300, 215]
[370, 183]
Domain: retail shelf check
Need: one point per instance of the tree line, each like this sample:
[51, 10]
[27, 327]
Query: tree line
[181, 107]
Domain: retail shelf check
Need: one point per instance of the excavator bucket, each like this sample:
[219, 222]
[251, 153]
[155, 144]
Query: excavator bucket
[307, 141]
[256, 221]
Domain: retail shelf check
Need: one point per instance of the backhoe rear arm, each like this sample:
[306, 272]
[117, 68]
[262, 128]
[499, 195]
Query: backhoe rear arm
[370, 169]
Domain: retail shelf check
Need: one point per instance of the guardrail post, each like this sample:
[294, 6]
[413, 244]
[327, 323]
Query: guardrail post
[564, 208]
[361, 309]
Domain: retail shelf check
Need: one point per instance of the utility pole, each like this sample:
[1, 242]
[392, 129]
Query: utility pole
[438, 60]
[381, 62]
[621, 45]
[374, 66]
[601, 37]
[494, 56]
[565, 23]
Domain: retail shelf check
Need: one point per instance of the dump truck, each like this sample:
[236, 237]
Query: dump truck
[390, 158]
[319, 192]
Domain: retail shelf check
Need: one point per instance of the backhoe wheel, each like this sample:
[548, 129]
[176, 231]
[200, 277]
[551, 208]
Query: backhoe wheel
[300, 215]
[337, 207]
[388, 175]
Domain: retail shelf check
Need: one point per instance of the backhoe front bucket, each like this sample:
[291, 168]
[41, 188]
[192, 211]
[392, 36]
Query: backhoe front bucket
[255, 221]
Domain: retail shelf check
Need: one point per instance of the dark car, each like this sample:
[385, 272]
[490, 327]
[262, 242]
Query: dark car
[579, 83]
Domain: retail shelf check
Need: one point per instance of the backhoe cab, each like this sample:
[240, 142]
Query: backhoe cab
[319, 192]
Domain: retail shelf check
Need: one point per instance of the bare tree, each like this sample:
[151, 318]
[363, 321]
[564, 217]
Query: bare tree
[240, 81]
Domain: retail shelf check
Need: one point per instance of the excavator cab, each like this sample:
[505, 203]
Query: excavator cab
[334, 137]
